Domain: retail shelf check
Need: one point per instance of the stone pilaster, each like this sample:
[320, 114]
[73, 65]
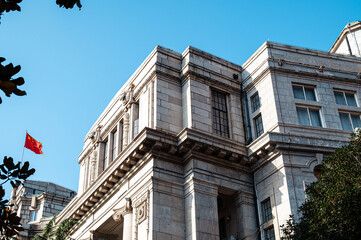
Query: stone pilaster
[126, 130]
[246, 215]
[93, 161]
[125, 213]
[201, 210]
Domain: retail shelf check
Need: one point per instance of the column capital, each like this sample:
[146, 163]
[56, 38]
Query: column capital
[119, 213]
[243, 197]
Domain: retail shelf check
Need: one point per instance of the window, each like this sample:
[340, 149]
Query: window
[270, 233]
[115, 144]
[350, 121]
[255, 102]
[258, 125]
[135, 119]
[266, 210]
[120, 132]
[33, 216]
[105, 154]
[220, 115]
[304, 92]
[309, 116]
[345, 98]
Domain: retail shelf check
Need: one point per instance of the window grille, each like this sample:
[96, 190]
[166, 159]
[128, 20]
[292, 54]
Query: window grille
[220, 114]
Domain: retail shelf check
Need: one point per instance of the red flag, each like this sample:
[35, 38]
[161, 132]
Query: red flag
[33, 145]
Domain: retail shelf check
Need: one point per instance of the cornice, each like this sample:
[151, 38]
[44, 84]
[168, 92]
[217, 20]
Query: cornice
[210, 57]
[350, 26]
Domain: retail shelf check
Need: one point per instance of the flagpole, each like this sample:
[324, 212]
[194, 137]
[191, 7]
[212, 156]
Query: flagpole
[22, 155]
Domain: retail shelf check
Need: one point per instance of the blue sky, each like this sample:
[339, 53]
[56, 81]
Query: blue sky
[75, 61]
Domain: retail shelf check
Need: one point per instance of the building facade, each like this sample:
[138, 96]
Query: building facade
[196, 147]
[36, 202]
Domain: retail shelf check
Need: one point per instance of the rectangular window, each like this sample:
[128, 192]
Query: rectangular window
[105, 158]
[255, 102]
[266, 210]
[258, 125]
[270, 233]
[115, 145]
[135, 119]
[33, 216]
[309, 116]
[350, 121]
[220, 114]
[120, 132]
[304, 92]
[345, 98]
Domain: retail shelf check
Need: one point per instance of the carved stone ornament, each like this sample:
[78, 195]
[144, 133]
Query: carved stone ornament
[93, 160]
[127, 96]
[142, 209]
[119, 213]
[142, 212]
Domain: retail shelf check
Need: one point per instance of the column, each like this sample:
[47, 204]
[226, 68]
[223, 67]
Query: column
[246, 215]
[201, 210]
[125, 213]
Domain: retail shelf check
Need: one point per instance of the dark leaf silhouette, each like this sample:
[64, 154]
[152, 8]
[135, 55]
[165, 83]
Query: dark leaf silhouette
[7, 84]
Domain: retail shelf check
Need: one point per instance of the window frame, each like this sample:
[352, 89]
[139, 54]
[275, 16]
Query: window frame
[344, 92]
[257, 106]
[114, 147]
[105, 153]
[304, 91]
[223, 130]
[350, 119]
[33, 215]
[257, 131]
[135, 119]
[270, 229]
[309, 115]
[266, 208]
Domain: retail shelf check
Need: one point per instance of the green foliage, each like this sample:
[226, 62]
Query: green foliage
[333, 208]
[60, 233]
[9, 171]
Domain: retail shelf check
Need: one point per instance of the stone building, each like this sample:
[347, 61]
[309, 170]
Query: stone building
[36, 203]
[196, 147]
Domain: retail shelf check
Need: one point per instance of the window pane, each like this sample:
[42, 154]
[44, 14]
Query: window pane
[351, 99]
[258, 125]
[115, 145]
[266, 210]
[220, 115]
[339, 98]
[135, 119]
[355, 121]
[345, 121]
[310, 94]
[298, 92]
[315, 117]
[255, 103]
[270, 234]
[105, 159]
[303, 116]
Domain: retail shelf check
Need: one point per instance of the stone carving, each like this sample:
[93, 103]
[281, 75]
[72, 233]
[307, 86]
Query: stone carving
[125, 129]
[142, 209]
[127, 96]
[95, 136]
[93, 161]
[121, 212]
